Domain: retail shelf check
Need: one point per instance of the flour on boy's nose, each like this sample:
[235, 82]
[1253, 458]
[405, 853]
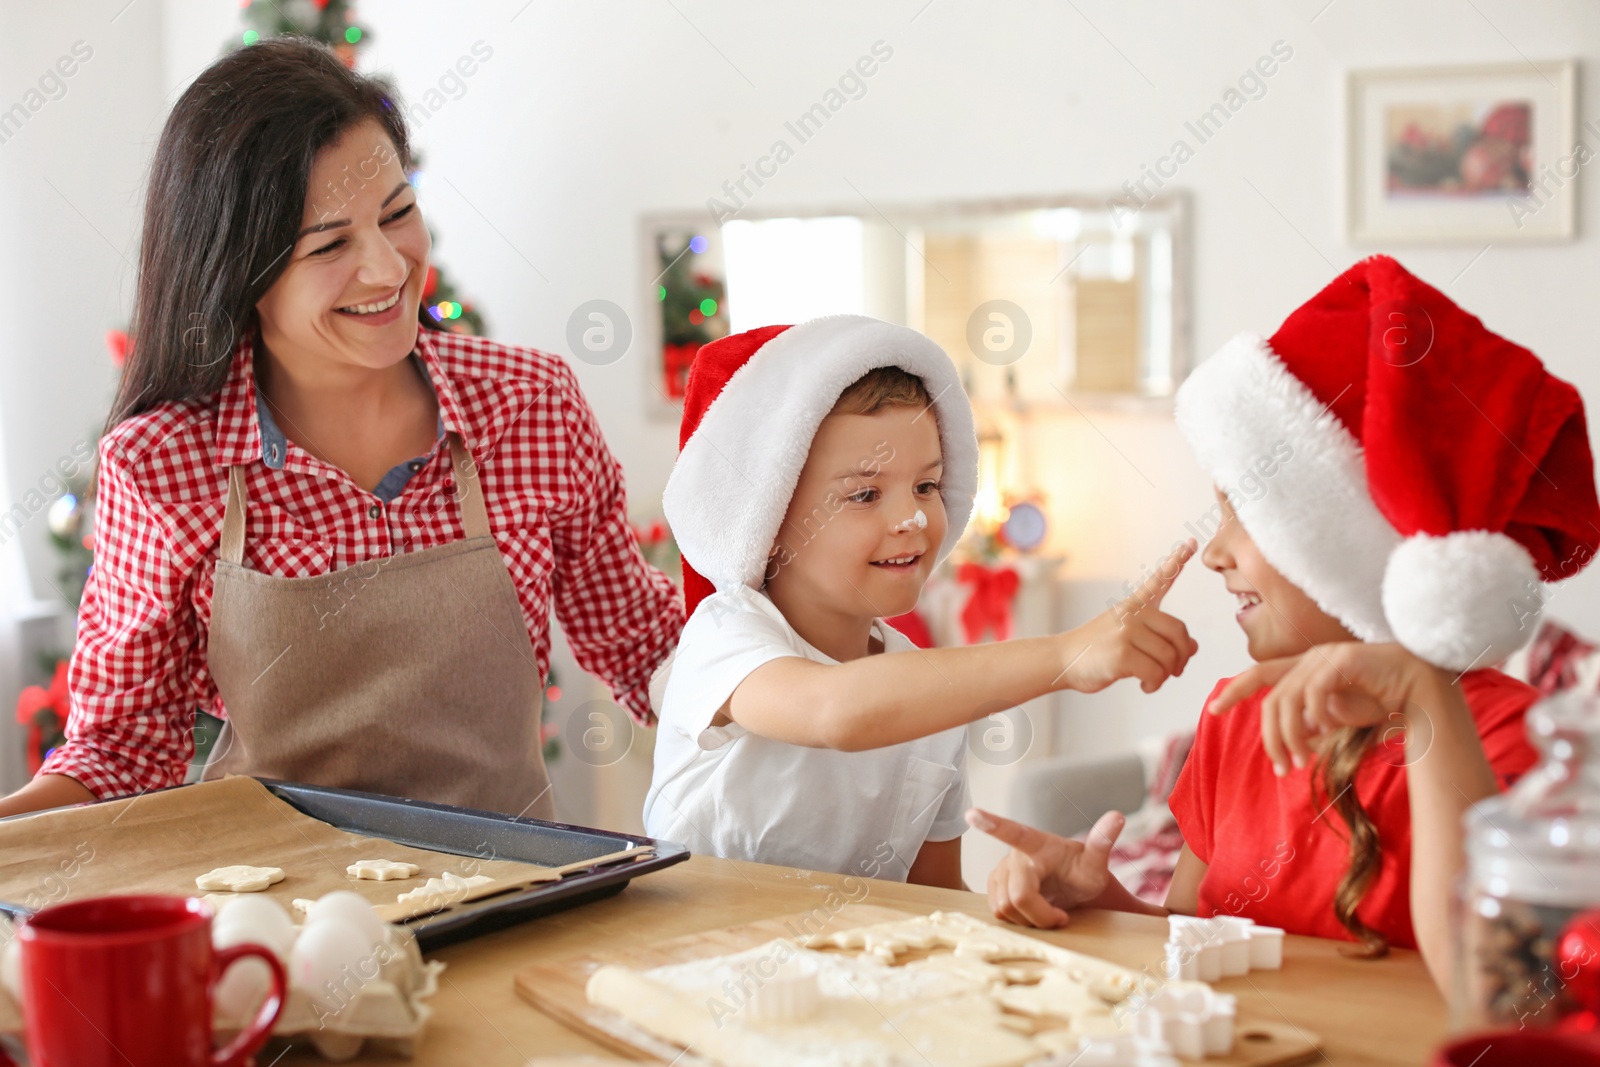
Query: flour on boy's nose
[919, 521]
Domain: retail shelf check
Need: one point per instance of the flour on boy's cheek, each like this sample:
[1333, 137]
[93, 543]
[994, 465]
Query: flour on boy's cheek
[1277, 616]
[851, 544]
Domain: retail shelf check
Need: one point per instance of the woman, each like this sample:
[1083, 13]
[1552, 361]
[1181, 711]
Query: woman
[339, 533]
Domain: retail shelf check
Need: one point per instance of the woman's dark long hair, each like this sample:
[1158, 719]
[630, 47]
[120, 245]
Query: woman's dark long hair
[226, 198]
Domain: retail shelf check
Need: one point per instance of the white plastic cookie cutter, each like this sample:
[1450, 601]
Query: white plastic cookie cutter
[1224, 946]
[919, 521]
[1190, 1017]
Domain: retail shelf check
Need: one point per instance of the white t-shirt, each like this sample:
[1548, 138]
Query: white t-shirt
[731, 793]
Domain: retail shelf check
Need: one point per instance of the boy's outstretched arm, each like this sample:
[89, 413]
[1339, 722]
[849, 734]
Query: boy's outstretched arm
[901, 696]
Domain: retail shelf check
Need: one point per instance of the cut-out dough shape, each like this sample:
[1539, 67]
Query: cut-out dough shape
[443, 890]
[382, 870]
[239, 878]
[990, 997]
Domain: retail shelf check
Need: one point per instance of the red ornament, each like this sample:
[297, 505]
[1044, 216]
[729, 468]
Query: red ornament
[431, 282]
[675, 363]
[34, 704]
[1577, 963]
[117, 345]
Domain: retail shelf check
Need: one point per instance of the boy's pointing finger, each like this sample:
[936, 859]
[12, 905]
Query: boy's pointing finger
[1149, 594]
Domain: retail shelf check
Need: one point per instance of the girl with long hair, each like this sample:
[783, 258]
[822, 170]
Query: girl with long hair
[1394, 482]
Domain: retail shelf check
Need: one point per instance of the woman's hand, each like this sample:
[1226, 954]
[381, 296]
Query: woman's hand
[1045, 874]
[1349, 683]
[1133, 639]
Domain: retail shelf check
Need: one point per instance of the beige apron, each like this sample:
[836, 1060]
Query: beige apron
[409, 675]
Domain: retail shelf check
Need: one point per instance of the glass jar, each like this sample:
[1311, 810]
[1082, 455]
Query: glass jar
[1533, 870]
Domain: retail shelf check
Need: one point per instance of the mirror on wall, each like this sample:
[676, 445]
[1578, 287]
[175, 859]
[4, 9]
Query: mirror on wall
[1055, 302]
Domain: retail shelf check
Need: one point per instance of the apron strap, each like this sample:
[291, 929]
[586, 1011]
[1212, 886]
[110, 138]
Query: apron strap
[474, 515]
[233, 517]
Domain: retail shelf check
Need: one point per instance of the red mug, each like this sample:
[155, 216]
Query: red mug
[1519, 1048]
[128, 982]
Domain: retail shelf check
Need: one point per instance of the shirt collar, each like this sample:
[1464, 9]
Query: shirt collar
[246, 430]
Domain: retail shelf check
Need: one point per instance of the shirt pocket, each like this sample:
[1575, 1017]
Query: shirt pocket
[921, 794]
[279, 545]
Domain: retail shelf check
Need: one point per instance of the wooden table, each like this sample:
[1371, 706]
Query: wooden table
[1367, 1012]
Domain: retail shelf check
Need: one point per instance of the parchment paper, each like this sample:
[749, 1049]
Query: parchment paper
[161, 842]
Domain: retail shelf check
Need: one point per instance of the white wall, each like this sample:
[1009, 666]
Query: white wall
[586, 118]
[588, 115]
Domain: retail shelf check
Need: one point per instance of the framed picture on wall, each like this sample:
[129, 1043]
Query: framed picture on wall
[1464, 155]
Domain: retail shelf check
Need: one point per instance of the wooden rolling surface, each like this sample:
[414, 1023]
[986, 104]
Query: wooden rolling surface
[557, 989]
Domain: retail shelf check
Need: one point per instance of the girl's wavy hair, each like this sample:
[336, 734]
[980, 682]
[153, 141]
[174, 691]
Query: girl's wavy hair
[224, 206]
[1336, 779]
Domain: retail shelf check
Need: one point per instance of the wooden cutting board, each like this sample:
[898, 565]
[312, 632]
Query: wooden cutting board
[557, 989]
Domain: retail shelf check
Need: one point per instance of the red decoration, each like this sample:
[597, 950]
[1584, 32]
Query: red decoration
[989, 607]
[430, 282]
[914, 627]
[675, 363]
[652, 535]
[117, 345]
[37, 708]
[1577, 963]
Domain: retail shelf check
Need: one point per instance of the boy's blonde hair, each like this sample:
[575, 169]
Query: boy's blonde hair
[880, 388]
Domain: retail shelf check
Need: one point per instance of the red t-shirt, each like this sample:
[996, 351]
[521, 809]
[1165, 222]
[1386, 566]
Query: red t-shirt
[1275, 853]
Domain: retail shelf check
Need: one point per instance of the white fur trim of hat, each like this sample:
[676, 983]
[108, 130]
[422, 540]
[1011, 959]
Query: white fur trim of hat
[731, 487]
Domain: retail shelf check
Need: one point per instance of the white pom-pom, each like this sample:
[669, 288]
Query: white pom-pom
[1467, 599]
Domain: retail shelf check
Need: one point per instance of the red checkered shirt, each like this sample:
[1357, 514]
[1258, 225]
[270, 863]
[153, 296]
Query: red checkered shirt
[556, 508]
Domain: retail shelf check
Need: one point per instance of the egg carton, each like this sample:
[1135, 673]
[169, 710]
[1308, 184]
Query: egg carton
[386, 1014]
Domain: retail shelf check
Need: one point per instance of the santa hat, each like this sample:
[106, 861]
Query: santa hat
[753, 404]
[1432, 472]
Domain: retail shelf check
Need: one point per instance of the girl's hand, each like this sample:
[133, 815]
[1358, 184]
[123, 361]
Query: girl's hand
[1349, 683]
[1135, 638]
[1045, 874]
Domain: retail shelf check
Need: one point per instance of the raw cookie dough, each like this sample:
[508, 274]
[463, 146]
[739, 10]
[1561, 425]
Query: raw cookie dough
[382, 870]
[239, 878]
[441, 891]
[955, 989]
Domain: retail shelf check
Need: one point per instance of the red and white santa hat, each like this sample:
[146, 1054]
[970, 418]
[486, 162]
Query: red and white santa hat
[1436, 472]
[753, 404]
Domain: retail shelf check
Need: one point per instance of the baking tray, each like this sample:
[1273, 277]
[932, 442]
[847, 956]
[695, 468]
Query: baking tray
[479, 834]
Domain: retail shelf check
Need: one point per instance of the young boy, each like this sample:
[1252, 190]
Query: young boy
[1436, 474]
[825, 470]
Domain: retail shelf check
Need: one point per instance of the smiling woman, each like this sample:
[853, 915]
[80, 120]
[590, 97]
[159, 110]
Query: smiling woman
[284, 439]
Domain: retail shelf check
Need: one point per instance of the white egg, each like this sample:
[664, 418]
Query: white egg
[331, 961]
[350, 909]
[247, 982]
[260, 920]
